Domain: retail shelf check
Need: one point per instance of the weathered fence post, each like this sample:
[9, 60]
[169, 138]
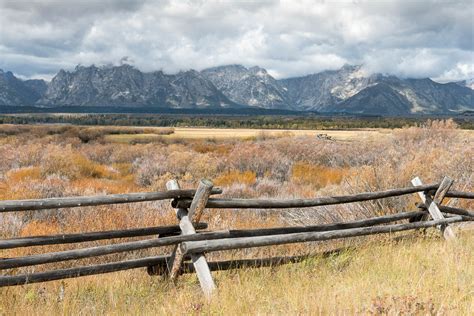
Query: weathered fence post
[186, 220]
[433, 204]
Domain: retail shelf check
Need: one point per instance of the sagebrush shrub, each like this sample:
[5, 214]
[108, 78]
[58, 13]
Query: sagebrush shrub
[72, 165]
[247, 177]
[316, 175]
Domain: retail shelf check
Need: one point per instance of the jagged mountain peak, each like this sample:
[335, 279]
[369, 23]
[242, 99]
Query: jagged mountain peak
[257, 69]
[236, 72]
[349, 67]
[9, 75]
[190, 72]
[82, 68]
[61, 72]
[249, 86]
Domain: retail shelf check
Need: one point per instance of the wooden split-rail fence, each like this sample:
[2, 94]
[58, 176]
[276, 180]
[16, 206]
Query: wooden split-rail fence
[191, 244]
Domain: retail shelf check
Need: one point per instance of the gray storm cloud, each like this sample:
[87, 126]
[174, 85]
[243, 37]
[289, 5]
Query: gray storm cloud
[405, 38]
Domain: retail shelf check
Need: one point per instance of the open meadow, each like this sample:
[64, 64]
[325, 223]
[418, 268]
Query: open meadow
[249, 134]
[402, 273]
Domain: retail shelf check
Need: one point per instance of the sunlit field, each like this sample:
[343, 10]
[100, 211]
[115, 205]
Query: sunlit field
[247, 133]
[230, 133]
[416, 274]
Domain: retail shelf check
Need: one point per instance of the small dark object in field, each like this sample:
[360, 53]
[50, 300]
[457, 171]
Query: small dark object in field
[324, 137]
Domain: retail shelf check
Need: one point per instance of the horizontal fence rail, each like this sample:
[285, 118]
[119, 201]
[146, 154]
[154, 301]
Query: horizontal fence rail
[191, 243]
[459, 194]
[215, 245]
[162, 231]
[146, 262]
[80, 271]
[273, 203]
[105, 250]
[271, 240]
[166, 241]
[66, 202]
[457, 211]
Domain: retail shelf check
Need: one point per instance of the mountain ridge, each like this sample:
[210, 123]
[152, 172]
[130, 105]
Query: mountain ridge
[346, 90]
[127, 86]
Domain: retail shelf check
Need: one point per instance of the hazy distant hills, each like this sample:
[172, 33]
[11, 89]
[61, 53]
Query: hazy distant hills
[347, 90]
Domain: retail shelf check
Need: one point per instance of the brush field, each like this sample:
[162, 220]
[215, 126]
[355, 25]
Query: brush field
[413, 274]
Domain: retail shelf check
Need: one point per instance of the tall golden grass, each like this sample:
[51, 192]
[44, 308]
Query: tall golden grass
[411, 277]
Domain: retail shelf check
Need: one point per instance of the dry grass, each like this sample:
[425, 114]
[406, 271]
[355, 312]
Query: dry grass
[422, 277]
[53, 161]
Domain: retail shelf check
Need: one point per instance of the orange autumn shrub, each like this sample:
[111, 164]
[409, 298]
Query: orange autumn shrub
[231, 177]
[18, 175]
[206, 147]
[73, 165]
[20, 193]
[3, 191]
[315, 175]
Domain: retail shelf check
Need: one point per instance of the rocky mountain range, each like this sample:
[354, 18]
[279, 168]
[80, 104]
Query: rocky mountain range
[127, 86]
[347, 90]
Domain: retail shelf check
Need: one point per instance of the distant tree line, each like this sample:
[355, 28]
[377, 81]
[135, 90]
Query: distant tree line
[227, 121]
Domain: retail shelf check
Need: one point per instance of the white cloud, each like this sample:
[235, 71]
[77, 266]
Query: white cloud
[412, 38]
[457, 72]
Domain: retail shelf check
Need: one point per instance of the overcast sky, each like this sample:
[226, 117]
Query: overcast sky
[409, 38]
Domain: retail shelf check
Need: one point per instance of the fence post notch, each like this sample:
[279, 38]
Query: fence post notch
[433, 204]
